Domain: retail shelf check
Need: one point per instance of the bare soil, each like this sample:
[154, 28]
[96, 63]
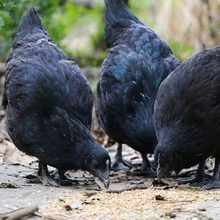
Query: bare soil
[129, 196]
[87, 200]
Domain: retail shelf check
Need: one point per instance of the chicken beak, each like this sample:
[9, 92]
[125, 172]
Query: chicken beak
[159, 173]
[162, 171]
[106, 183]
[104, 180]
[103, 176]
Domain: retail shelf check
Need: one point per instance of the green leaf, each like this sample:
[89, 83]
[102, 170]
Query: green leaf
[1, 23]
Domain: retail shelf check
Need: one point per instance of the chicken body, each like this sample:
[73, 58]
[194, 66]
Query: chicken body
[187, 122]
[136, 63]
[49, 105]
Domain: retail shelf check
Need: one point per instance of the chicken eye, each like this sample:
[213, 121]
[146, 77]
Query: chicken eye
[96, 166]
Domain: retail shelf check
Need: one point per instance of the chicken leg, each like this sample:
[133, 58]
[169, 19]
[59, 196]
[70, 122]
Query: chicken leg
[214, 183]
[44, 175]
[200, 176]
[119, 163]
[59, 176]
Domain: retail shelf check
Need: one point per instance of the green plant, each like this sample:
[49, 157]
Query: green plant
[182, 52]
[10, 15]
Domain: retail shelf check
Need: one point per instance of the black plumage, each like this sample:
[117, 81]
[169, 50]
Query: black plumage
[49, 105]
[187, 111]
[136, 63]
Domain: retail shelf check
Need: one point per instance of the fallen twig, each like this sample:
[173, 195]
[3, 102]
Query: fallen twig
[127, 189]
[89, 194]
[8, 185]
[175, 201]
[56, 217]
[19, 213]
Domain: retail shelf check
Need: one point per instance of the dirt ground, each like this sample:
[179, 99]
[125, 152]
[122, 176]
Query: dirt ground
[88, 200]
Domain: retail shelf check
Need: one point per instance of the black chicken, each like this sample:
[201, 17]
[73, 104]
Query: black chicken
[137, 61]
[187, 111]
[49, 105]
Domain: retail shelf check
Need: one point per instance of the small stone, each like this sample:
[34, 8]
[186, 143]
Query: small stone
[68, 207]
[171, 215]
[159, 197]
[77, 205]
